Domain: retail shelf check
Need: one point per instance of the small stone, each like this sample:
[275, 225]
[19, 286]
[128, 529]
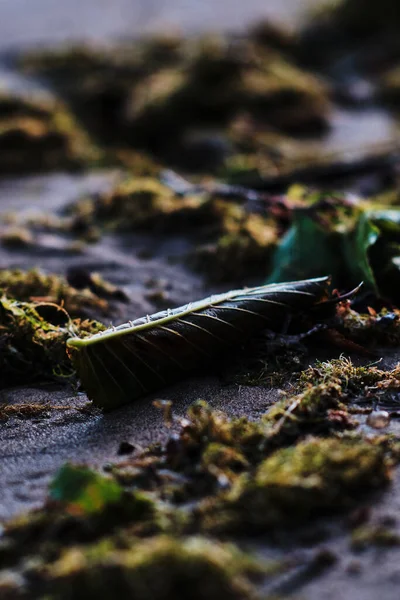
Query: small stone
[125, 448]
[378, 419]
[354, 567]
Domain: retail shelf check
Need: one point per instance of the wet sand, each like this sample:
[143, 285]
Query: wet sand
[33, 450]
[51, 22]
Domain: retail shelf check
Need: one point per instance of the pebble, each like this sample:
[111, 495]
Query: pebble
[378, 419]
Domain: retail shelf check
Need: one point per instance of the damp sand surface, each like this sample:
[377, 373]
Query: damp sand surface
[32, 450]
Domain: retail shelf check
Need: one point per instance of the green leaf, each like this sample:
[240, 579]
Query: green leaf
[384, 256]
[355, 246]
[387, 219]
[339, 248]
[82, 490]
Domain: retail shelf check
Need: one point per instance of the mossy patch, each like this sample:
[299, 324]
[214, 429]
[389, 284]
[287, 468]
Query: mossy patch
[141, 202]
[367, 536]
[243, 246]
[36, 286]
[179, 103]
[232, 243]
[353, 380]
[37, 133]
[33, 340]
[157, 569]
[370, 329]
[303, 481]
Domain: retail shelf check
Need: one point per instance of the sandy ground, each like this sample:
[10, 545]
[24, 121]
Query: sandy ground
[31, 451]
[50, 21]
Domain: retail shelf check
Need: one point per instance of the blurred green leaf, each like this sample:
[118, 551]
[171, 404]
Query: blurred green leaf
[339, 247]
[385, 255]
[82, 490]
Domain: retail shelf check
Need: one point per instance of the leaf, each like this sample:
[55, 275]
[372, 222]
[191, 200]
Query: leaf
[341, 249]
[384, 255]
[134, 359]
[355, 247]
[82, 490]
[387, 219]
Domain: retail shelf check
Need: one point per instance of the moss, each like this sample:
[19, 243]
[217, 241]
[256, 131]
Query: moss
[27, 411]
[17, 237]
[33, 341]
[84, 507]
[389, 87]
[37, 133]
[223, 459]
[35, 285]
[157, 569]
[204, 426]
[137, 96]
[352, 379]
[291, 100]
[232, 243]
[319, 407]
[244, 244]
[369, 329]
[365, 536]
[137, 203]
[314, 477]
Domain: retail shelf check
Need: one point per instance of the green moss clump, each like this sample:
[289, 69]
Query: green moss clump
[33, 340]
[17, 237]
[157, 569]
[205, 427]
[36, 286]
[351, 380]
[320, 407]
[243, 246]
[137, 203]
[219, 458]
[137, 96]
[365, 536]
[314, 477]
[232, 243]
[95, 81]
[37, 133]
[369, 329]
[83, 507]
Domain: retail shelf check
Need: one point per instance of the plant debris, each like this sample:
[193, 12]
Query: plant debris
[87, 298]
[157, 569]
[242, 118]
[129, 361]
[308, 479]
[33, 338]
[352, 241]
[191, 103]
[38, 133]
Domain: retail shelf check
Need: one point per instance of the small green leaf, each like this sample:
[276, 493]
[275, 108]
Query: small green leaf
[340, 248]
[355, 245]
[386, 218]
[82, 490]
